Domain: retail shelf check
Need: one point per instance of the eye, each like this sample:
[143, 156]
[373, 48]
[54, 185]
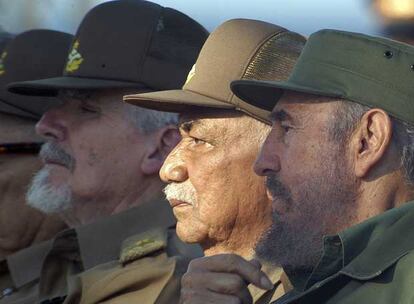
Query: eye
[88, 109]
[286, 128]
[198, 142]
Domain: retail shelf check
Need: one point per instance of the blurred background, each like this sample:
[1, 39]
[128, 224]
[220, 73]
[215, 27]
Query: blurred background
[394, 18]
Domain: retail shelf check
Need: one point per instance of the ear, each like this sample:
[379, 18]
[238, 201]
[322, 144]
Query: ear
[371, 140]
[161, 143]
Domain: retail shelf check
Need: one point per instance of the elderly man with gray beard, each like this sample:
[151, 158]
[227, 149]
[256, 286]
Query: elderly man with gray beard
[217, 199]
[102, 157]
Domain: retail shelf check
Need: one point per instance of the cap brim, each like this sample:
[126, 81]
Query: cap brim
[50, 86]
[266, 94]
[175, 101]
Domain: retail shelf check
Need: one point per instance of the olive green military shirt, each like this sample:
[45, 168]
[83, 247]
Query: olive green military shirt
[281, 285]
[148, 270]
[372, 262]
[41, 273]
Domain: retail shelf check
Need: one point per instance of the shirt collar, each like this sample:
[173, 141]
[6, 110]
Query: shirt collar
[25, 265]
[365, 250]
[97, 243]
[376, 244]
[101, 241]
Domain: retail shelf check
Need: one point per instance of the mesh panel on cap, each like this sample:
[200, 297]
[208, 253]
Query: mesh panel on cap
[276, 57]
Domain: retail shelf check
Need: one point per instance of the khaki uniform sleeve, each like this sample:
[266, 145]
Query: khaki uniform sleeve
[145, 273]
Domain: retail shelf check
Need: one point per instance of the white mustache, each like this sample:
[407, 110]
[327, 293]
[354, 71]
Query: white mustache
[184, 192]
[50, 151]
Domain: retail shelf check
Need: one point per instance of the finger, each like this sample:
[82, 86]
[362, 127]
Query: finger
[231, 263]
[256, 263]
[222, 283]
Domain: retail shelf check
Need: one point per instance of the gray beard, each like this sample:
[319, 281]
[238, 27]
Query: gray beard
[325, 203]
[47, 198]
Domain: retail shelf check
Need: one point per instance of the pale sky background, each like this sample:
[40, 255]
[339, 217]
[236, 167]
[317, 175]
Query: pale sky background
[303, 16]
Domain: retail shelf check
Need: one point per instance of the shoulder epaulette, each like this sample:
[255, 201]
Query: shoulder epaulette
[143, 244]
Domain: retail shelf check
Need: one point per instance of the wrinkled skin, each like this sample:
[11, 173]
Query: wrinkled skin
[216, 156]
[115, 163]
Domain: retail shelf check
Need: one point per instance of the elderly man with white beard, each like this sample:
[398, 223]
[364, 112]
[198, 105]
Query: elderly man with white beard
[217, 199]
[102, 157]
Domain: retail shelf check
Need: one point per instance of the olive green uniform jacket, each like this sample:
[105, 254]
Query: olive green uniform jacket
[77, 259]
[372, 262]
[20, 225]
[281, 285]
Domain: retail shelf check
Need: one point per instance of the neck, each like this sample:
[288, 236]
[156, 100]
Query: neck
[88, 212]
[242, 239]
[382, 194]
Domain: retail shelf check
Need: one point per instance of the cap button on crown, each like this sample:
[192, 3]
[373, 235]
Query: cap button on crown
[388, 54]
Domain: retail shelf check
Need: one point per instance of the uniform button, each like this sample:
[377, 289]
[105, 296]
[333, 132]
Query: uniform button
[7, 292]
[388, 54]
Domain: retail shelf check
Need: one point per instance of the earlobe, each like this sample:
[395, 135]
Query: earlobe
[373, 138]
[162, 143]
[170, 137]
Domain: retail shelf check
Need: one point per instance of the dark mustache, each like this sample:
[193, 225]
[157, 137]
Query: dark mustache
[277, 189]
[51, 152]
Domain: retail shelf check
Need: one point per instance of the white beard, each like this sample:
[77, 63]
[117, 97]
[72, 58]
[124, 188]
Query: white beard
[46, 198]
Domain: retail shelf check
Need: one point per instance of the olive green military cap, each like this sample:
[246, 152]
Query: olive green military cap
[237, 49]
[126, 44]
[31, 55]
[372, 71]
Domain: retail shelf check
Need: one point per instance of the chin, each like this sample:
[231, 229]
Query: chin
[188, 235]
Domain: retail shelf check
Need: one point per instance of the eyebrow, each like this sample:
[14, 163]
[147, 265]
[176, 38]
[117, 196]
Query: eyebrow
[280, 115]
[187, 126]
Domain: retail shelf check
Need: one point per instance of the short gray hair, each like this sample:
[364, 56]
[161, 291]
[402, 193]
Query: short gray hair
[347, 118]
[148, 121]
[144, 120]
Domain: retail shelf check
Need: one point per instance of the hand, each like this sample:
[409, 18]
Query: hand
[222, 278]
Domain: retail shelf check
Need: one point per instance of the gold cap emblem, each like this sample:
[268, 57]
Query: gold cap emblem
[74, 58]
[2, 68]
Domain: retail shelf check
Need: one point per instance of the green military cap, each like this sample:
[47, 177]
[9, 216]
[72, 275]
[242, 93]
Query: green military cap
[126, 44]
[372, 71]
[239, 48]
[31, 55]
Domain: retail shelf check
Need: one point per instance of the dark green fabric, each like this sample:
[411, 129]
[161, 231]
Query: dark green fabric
[126, 44]
[31, 55]
[372, 71]
[372, 262]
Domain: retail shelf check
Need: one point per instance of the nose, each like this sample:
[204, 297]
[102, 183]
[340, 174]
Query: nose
[52, 125]
[174, 168]
[267, 161]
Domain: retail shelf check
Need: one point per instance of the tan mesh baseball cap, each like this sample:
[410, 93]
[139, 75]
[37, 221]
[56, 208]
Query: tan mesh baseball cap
[238, 49]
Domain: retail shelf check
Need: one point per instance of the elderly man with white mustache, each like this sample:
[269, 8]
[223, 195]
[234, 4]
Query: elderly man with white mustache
[217, 199]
